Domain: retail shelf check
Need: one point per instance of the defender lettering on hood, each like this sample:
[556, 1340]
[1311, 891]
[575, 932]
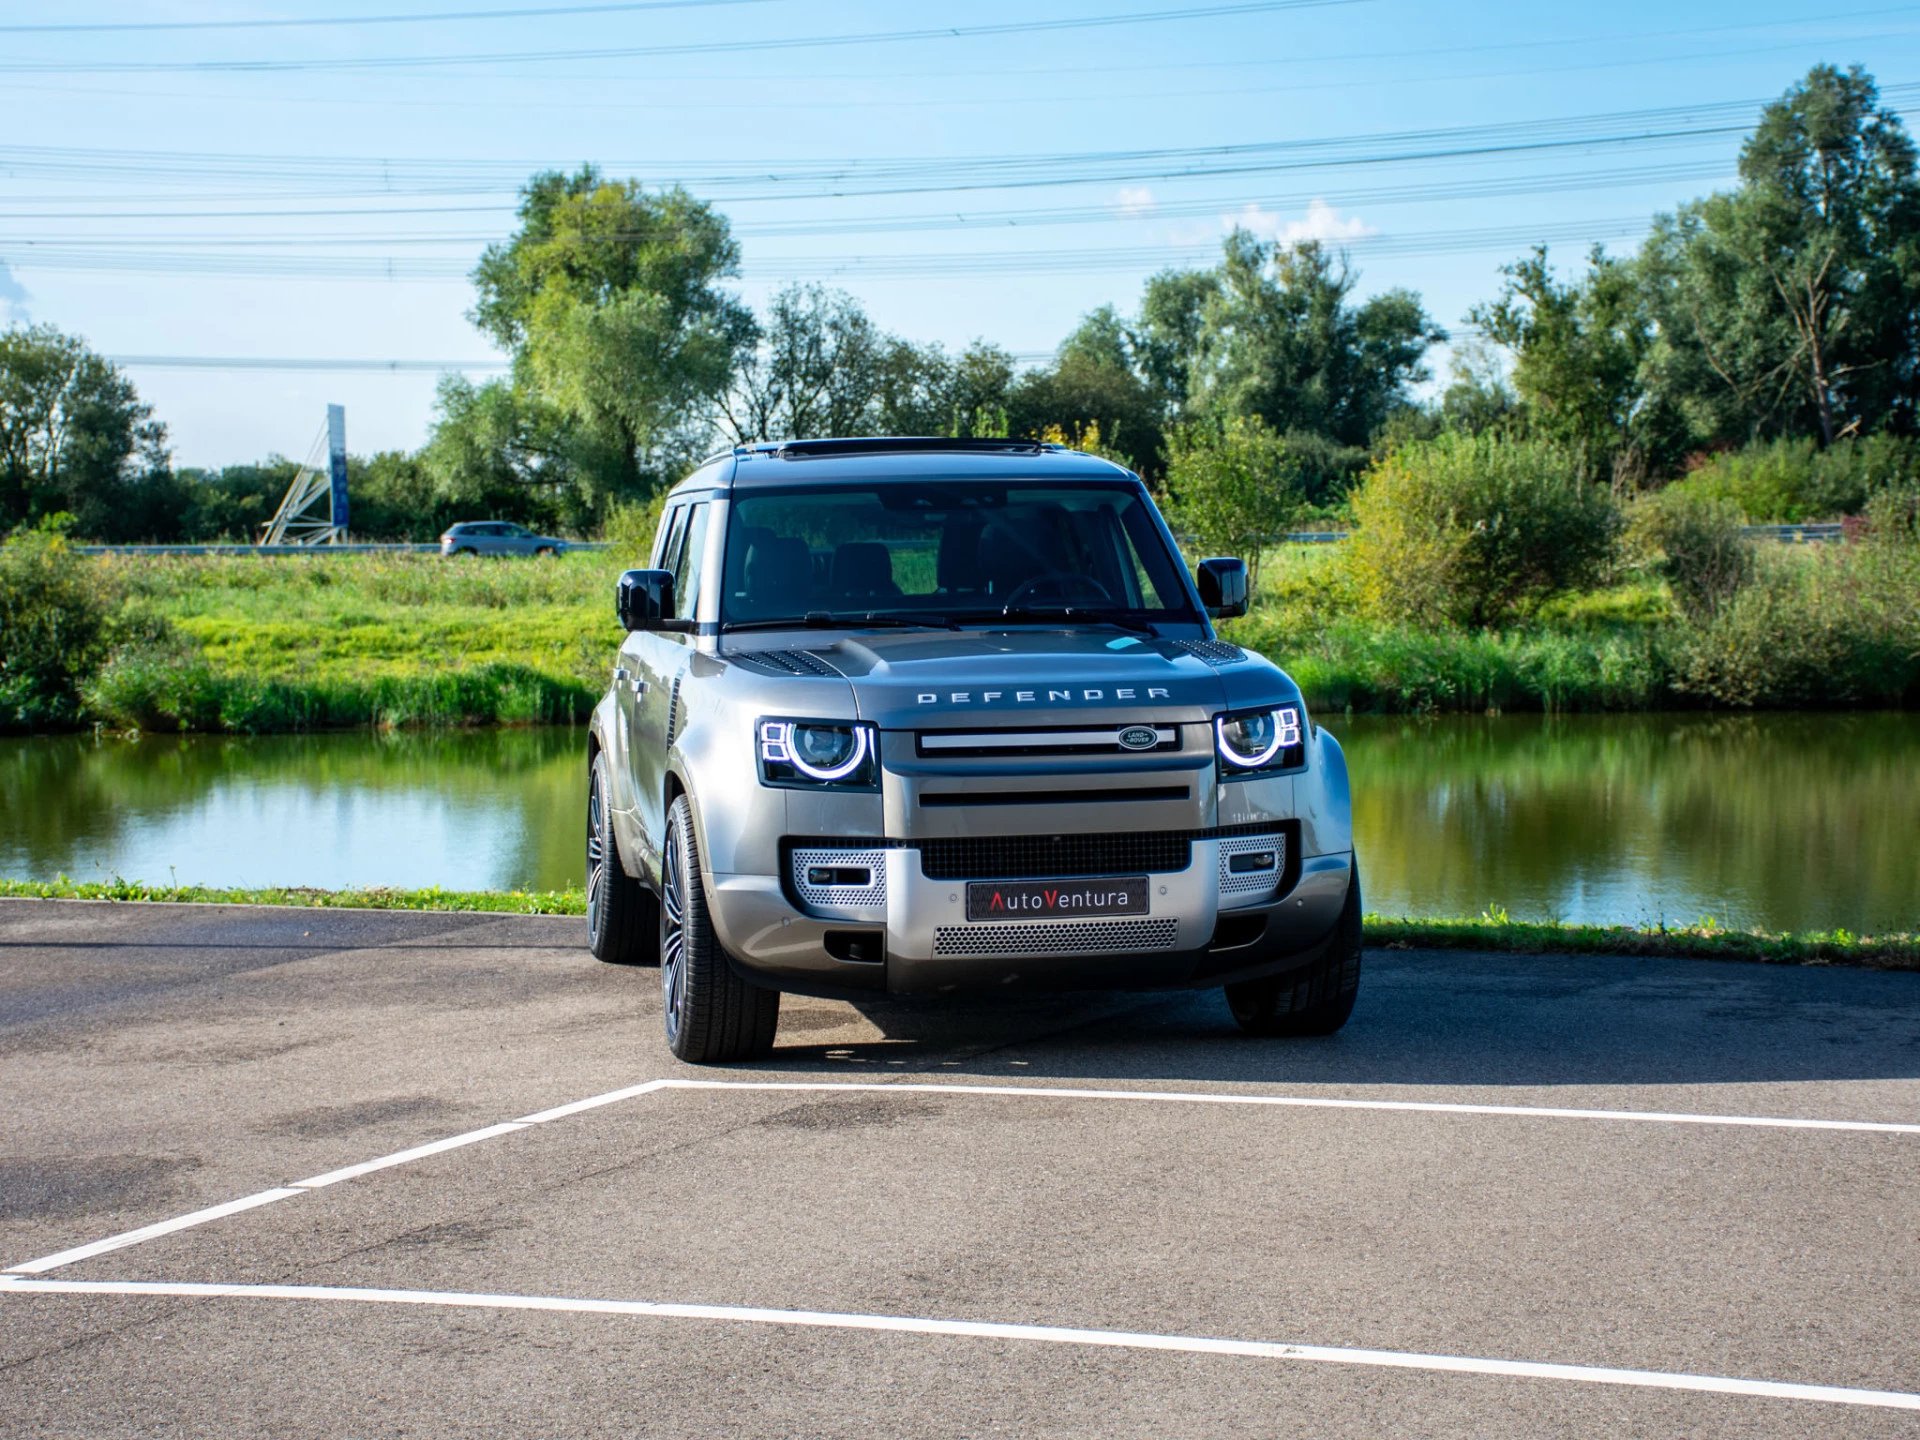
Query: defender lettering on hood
[1048, 697]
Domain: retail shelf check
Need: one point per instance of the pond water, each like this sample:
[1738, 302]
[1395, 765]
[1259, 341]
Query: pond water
[1782, 821]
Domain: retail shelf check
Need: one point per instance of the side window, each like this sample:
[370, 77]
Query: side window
[670, 531]
[693, 564]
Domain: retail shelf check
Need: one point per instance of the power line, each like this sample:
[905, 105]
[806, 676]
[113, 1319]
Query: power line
[727, 47]
[261, 362]
[416, 18]
[895, 175]
[1495, 187]
[943, 265]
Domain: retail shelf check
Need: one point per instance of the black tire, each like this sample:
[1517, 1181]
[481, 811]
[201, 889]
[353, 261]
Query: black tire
[623, 916]
[546, 550]
[1317, 998]
[712, 1016]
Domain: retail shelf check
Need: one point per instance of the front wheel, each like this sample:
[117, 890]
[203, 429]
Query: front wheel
[621, 924]
[1317, 998]
[712, 1016]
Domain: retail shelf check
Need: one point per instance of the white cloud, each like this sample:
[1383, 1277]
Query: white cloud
[1321, 222]
[13, 298]
[1134, 200]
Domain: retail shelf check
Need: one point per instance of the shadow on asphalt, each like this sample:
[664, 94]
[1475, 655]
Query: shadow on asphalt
[1426, 1019]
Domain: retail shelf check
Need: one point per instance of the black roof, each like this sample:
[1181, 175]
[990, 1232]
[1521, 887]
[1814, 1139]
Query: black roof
[896, 458]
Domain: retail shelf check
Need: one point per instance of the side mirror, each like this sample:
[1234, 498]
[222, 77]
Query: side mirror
[1223, 587]
[645, 599]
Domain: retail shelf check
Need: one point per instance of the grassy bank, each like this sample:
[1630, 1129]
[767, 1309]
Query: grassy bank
[384, 640]
[1493, 932]
[247, 645]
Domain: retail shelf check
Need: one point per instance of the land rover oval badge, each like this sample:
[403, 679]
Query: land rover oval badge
[1139, 737]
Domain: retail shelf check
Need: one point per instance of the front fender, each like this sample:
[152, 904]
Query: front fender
[1322, 799]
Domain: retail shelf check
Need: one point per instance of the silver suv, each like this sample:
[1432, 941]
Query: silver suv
[498, 537]
[916, 717]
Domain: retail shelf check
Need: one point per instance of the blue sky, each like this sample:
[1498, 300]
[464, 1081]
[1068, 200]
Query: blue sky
[162, 197]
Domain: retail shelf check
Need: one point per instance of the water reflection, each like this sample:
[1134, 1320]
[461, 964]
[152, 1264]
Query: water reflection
[1783, 821]
[1789, 822]
[465, 810]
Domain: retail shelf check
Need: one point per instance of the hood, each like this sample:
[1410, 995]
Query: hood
[911, 679]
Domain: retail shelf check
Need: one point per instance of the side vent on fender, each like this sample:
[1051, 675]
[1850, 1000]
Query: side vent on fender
[673, 711]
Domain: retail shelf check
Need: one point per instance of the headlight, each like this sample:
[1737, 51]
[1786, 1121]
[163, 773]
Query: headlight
[813, 753]
[1256, 740]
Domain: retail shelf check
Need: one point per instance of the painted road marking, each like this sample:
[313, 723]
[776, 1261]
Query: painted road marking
[1181, 1097]
[988, 1330]
[152, 1232]
[1314, 1102]
[403, 1157]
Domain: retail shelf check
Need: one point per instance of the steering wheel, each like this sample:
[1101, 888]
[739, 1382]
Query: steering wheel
[1063, 579]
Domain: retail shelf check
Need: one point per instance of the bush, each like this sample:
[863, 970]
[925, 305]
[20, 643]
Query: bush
[1832, 626]
[55, 629]
[1477, 530]
[1703, 553]
[629, 530]
[1790, 482]
[1232, 486]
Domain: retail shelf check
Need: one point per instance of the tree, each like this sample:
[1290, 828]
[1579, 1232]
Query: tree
[815, 372]
[1280, 338]
[1166, 337]
[1092, 387]
[75, 437]
[1232, 485]
[610, 299]
[1579, 350]
[1791, 305]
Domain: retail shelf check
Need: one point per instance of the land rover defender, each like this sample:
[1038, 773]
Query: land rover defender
[925, 716]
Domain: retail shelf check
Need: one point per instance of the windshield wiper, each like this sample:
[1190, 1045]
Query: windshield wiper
[1090, 614]
[841, 620]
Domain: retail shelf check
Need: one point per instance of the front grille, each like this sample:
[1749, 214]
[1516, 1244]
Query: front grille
[1056, 857]
[1051, 740]
[1116, 937]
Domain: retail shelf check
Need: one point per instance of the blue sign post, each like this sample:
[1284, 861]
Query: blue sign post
[337, 464]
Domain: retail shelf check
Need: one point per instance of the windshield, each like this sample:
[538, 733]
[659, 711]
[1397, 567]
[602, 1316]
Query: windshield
[950, 552]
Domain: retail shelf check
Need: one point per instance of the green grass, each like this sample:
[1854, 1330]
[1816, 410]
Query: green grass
[355, 640]
[1493, 931]
[250, 645]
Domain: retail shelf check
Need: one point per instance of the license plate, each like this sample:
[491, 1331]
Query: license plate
[1055, 899]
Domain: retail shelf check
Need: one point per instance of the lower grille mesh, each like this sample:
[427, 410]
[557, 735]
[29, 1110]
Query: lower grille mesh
[1118, 937]
[1066, 857]
[1056, 857]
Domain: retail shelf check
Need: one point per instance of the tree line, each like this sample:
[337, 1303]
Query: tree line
[1784, 311]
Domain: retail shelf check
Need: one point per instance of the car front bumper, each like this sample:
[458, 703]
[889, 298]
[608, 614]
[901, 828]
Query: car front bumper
[911, 933]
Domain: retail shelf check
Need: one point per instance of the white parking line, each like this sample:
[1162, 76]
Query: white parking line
[986, 1330]
[151, 1232]
[403, 1157]
[1051, 1092]
[1315, 1102]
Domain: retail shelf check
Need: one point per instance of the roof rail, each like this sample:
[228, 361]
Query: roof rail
[898, 444]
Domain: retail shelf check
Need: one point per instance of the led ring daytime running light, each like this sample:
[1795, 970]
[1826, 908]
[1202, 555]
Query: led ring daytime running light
[1245, 762]
[814, 772]
[1284, 733]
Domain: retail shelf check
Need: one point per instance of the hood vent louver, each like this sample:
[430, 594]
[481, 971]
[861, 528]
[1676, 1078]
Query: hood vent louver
[1214, 652]
[785, 662]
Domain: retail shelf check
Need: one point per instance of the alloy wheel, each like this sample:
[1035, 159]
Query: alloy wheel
[597, 848]
[673, 936]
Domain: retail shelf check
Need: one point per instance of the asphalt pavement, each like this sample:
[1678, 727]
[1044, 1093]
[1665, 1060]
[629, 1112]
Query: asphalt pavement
[461, 1188]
